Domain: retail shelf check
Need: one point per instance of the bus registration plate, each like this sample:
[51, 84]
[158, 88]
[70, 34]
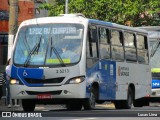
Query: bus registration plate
[44, 96]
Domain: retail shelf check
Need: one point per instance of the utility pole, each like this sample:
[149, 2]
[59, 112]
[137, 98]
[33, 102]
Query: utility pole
[13, 24]
[66, 7]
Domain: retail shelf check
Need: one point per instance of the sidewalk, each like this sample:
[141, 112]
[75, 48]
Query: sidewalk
[4, 107]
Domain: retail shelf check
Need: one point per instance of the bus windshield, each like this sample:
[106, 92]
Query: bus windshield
[48, 44]
[155, 53]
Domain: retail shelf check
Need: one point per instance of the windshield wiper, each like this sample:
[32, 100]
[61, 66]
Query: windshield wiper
[57, 54]
[33, 51]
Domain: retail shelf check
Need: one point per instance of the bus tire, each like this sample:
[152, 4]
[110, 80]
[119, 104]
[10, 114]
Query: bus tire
[90, 102]
[125, 104]
[129, 101]
[74, 106]
[28, 105]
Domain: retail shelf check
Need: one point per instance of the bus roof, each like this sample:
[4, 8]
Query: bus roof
[110, 24]
[150, 28]
[78, 18]
[153, 31]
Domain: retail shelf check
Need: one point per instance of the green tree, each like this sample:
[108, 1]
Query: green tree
[129, 12]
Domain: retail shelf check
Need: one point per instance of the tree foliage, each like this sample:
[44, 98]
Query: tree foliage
[129, 12]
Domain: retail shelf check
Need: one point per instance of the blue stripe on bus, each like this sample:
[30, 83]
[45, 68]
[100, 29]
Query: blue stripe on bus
[21, 74]
[106, 77]
[155, 83]
[110, 24]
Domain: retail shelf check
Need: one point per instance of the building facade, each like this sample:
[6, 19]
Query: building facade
[27, 9]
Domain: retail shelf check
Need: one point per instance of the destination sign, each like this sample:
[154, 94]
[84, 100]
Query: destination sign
[59, 30]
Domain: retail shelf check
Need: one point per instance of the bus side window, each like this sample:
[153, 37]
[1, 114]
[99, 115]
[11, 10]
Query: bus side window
[92, 46]
[130, 47]
[117, 45]
[104, 43]
[142, 49]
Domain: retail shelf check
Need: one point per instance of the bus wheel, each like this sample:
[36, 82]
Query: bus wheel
[90, 102]
[128, 103]
[125, 104]
[74, 106]
[28, 105]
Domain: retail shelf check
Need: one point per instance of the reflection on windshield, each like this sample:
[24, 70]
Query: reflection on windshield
[52, 48]
[156, 56]
[33, 51]
[55, 44]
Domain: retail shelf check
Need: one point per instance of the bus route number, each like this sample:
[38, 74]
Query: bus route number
[62, 71]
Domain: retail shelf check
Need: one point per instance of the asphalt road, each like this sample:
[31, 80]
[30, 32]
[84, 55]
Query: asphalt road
[102, 112]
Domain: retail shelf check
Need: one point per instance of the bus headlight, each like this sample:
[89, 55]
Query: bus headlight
[75, 80]
[14, 81]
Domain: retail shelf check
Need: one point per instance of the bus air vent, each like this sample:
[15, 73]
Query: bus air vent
[58, 92]
[45, 81]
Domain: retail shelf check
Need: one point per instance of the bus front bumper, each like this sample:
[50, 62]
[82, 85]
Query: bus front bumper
[155, 96]
[53, 92]
[155, 93]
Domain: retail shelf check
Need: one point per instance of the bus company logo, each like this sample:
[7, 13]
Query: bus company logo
[123, 71]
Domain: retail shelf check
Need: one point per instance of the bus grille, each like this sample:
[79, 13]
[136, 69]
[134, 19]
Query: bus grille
[58, 92]
[45, 81]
